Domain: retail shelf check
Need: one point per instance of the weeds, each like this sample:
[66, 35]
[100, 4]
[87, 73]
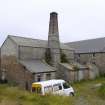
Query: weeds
[102, 91]
[84, 95]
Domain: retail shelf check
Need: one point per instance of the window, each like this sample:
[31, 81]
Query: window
[36, 90]
[65, 85]
[93, 54]
[38, 77]
[78, 55]
[57, 87]
[48, 76]
[48, 89]
[60, 87]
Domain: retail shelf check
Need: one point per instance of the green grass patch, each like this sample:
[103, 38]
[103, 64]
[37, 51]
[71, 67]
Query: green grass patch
[102, 91]
[85, 94]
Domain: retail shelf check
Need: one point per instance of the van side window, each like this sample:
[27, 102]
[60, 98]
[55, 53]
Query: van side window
[57, 87]
[48, 89]
[65, 85]
[60, 87]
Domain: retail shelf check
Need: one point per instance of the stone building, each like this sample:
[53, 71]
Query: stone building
[26, 60]
[90, 51]
[23, 59]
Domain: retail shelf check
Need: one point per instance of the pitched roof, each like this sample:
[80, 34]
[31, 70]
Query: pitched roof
[70, 66]
[34, 42]
[88, 46]
[28, 41]
[36, 66]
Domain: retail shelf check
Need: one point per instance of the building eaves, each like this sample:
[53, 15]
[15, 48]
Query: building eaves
[37, 66]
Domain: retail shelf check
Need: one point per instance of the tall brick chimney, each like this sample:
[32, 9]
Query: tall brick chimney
[53, 39]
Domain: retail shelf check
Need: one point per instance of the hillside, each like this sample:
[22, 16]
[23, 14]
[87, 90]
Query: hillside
[86, 94]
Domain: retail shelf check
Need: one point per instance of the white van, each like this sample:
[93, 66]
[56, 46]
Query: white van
[59, 87]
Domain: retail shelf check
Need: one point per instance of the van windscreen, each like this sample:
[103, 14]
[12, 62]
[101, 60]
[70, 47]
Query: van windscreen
[66, 85]
[36, 88]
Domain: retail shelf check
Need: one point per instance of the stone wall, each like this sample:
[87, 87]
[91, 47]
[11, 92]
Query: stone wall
[69, 54]
[9, 48]
[69, 74]
[63, 73]
[26, 52]
[15, 72]
[95, 58]
[44, 76]
[93, 71]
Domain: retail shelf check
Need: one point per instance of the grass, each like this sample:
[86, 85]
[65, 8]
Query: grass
[102, 91]
[85, 95]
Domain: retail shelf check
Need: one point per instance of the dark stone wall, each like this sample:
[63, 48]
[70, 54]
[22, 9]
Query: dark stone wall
[16, 73]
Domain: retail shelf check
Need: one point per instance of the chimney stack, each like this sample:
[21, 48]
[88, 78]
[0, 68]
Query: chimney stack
[53, 39]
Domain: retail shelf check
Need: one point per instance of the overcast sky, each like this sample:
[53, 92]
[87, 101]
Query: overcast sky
[78, 19]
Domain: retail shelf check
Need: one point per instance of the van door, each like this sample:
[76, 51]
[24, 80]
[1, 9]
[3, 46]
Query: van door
[66, 89]
[58, 89]
[48, 89]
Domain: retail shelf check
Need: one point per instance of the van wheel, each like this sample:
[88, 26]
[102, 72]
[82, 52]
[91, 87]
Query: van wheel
[71, 94]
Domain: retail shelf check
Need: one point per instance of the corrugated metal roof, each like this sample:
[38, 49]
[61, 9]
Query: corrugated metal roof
[36, 66]
[34, 42]
[86, 46]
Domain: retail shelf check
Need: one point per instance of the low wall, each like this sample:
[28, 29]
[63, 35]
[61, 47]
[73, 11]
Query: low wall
[69, 74]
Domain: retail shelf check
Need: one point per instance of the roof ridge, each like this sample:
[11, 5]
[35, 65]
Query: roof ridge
[85, 40]
[39, 42]
[26, 37]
